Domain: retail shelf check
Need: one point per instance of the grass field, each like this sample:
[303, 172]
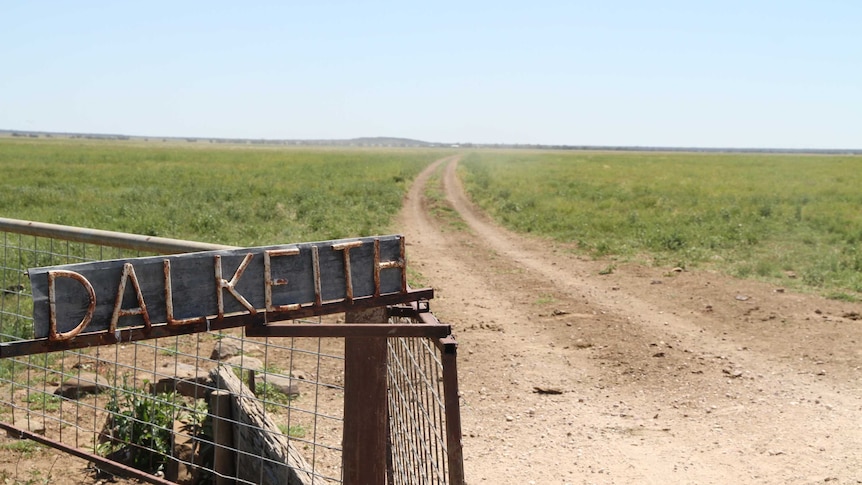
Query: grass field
[774, 217]
[237, 195]
[752, 215]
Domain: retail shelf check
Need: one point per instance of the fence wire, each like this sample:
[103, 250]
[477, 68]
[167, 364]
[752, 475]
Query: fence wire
[128, 402]
[416, 413]
[146, 405]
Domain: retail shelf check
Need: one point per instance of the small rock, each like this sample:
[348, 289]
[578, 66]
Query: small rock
[35, 426]
[225, 349]
[87, 366]
[300, 374]
[743, 297]
[658, 354]
[283, 384]
[249, 363]
[510, 419]
[187, 380]
[249, 348]
[547, 390]
[81, 384]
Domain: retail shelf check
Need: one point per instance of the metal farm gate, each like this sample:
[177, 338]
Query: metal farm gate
[355, 389]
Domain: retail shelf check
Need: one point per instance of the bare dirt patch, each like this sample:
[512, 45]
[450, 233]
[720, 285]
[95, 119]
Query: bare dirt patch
[639, 375]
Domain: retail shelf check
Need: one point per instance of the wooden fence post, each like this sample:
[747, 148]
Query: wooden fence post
[222, 423]
[366, 413]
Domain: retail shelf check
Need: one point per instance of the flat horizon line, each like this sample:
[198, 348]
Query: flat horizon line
[393, 141]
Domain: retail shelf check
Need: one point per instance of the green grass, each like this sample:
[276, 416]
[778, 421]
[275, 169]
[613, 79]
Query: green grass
[750, 215]
[169, 350]
[243, 196]
[41, 401]
[416, 279]
[9, 367]
[236, 195]
[295, 431]
[442, 209]
[271, 396]
[142, 425]
[24, 447]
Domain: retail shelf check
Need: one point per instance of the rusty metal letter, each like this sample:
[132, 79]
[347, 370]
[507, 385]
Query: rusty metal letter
[129, 274]
[315, 265]
[269, 282]
[401, 262]
[53, 334]
[230, 286]
[348, 279]
[169, 302]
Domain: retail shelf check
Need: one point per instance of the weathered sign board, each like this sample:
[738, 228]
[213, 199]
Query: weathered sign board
[193, 290]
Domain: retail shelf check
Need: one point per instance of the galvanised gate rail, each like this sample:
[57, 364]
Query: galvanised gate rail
[368, 398]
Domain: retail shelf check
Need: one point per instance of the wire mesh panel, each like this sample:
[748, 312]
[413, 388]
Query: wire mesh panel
[292, 388]
[150, 409]
[416, 412]
[144, 404]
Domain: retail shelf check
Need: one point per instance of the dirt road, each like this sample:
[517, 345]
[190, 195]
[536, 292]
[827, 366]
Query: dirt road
[642, 375]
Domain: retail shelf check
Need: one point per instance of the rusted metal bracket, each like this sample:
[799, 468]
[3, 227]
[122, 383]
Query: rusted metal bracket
[349, 330]
[410, 310]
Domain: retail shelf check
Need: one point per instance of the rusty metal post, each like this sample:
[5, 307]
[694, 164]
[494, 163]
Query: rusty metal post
[453, 410]
[366, 412]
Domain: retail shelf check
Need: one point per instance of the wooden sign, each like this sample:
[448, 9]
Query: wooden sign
[196, 288]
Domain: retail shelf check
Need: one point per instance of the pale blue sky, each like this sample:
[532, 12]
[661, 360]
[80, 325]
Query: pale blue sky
[684, 73]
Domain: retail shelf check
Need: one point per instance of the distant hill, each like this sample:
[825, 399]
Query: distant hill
[378, 141]
[387, 140]
[390, 141]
